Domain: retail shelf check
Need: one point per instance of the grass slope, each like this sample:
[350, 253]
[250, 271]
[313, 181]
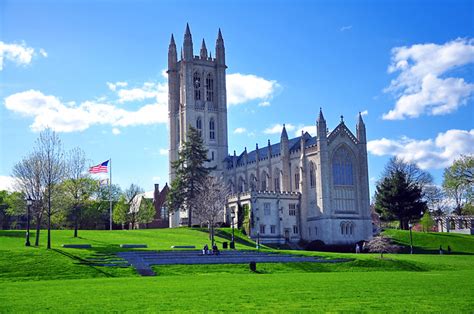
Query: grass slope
[58, 280]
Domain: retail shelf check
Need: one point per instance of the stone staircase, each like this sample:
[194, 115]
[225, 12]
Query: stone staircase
[143, 260]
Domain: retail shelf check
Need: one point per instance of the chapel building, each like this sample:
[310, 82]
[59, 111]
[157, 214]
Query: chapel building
[304, 188]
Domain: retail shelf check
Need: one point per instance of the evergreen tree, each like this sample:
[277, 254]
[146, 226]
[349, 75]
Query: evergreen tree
[427, 222]
[398, 198]
[190, 174]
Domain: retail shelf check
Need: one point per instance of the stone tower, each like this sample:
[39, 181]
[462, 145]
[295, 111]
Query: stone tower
[197, 98]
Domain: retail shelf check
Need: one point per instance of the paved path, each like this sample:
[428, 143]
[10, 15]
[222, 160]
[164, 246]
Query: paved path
[142, 260]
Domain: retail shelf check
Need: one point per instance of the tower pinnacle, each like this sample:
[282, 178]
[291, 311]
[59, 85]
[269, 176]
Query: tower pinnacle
[203, 53]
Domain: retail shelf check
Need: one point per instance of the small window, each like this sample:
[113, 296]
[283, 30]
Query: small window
[212, 132]
[312, 175]
[292, 212]
[295, 229]
[277, 184]
[272, 229]
[266, 209]
[199, 126]
[292, 206]
[297, 181]
[212, 156]
[262, 229]
[197, 86]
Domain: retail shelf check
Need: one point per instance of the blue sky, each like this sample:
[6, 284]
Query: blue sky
[93, 70]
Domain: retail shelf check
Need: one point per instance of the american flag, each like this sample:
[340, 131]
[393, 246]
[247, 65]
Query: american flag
[99, 168]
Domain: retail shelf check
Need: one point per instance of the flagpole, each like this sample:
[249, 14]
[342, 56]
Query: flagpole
[110, 194]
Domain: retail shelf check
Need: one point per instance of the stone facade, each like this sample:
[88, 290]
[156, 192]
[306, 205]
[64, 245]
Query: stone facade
[304, 188]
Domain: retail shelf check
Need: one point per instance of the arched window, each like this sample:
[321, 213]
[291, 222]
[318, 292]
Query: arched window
[297, 178]
[351, 228]
[263, 178]
[199, 125]
[197, 86]
[212, 132]
[312, 175]
[209, 88]
[253, 181]
[343, 227]
[241, 184]
[342, 167]
[276, 179]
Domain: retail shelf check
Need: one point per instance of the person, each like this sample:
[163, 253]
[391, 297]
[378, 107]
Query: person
[215, 250]
[357, 248]
[449, 249]
[440, 250]
[205, 250]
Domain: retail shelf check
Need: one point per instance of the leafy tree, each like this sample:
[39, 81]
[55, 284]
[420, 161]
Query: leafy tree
[458, 182]
[210, 203]
[120, 213]
[146, 212]
[427, 222]
[397, 197]
[133, 199]
[190, 173]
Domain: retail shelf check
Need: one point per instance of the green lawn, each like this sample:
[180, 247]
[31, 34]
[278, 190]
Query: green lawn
[35, 279]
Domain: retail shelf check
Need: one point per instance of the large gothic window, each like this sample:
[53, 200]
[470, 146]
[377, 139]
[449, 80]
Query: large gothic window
[342, 167]
[209, 88]
[263, 179]
[197, 86]
[212, 134]
[312, 175]
[199, 126]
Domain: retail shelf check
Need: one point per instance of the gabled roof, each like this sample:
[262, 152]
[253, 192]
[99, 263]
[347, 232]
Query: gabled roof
[342, 128]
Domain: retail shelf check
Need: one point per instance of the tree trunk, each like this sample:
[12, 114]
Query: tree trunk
[49, 218]
[38, 228]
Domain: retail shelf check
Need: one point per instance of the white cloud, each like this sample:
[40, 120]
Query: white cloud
[276, 128]
[311, 129]
[364, 113]
[264, 104]
[20, 54]
[242, 88]
[7, 183]
[48, 110]
[240, 130]
[434, 154]
[346, 28]
[113, 86]
[422, 85]
[43, 53]
[115, 131]
[163, 152]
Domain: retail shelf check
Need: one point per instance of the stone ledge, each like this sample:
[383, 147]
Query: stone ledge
[133, 246]
[76, 246]
[183, 247]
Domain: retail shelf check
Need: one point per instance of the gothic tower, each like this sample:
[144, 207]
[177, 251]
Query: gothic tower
[197, 98]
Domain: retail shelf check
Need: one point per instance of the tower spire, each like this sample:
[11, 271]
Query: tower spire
[360, 130]
[203, 53]
[172, 54]
[321, 126]
[284, 135]
[220, 49]
[188, 44]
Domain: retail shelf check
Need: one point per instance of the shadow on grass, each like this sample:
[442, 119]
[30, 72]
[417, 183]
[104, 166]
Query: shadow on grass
[405, 249]
[83, 262]
[14, 233]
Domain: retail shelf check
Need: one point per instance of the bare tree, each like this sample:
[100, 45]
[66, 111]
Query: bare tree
[382, 244]
[211, 202]
[414, 174]
[29, 181]
[133, 198]
[49, 148]
[78, 185]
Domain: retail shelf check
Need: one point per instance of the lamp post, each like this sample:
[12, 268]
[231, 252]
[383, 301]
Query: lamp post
[29, 202]
[232, 243]
[411, 238]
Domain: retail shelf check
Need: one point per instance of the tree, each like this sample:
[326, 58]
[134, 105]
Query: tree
[426, 222]
[399, 194]
[211, 202]
[132, 197]
[436, 200]
[49, 149]
[146, 212]
[28, 174]
[414, 174]
[78, 186]
[190, 174]
[458, 182]
[381, 244]
[121, 209]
